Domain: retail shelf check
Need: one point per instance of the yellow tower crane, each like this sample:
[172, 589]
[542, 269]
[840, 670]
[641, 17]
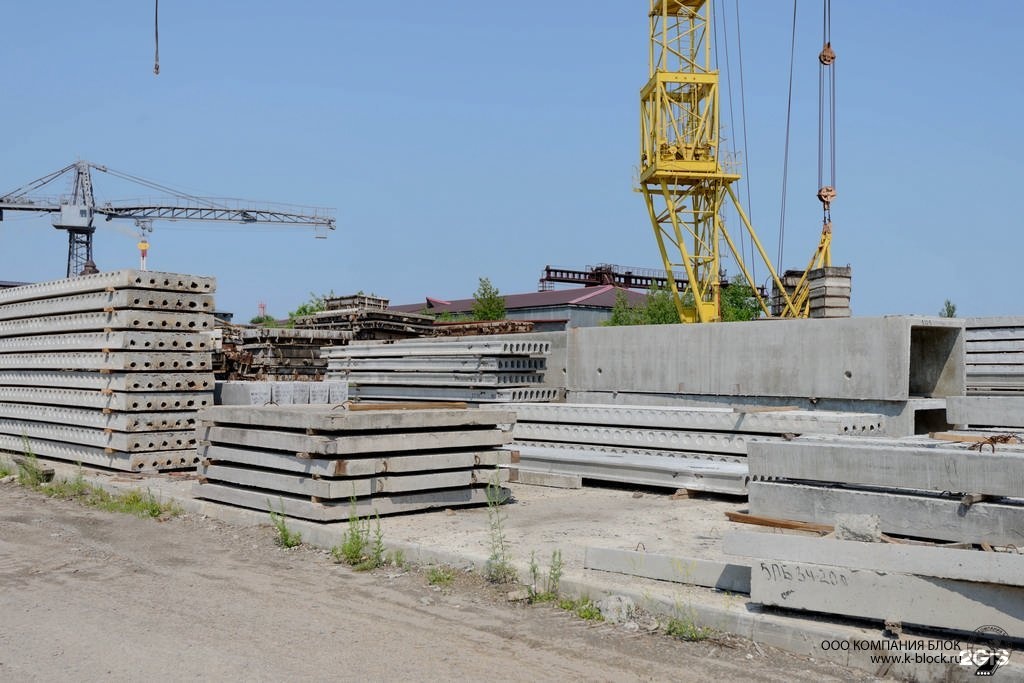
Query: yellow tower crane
[682, 177]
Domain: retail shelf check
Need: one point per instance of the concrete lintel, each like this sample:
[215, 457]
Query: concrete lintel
[919, 516]
[734, 578]
[887, 558]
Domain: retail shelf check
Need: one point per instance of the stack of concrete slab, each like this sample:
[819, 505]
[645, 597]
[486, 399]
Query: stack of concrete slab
[700, 449]
[829, 292]
[246, 393]
[322, 464]
[477, 328]
[368, 317]
[995, 355]
[896, 583]
[470, 370]
[107, 369]
[286, 354]
[971, 492]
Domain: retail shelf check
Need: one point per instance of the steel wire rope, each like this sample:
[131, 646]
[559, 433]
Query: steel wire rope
[785, 161]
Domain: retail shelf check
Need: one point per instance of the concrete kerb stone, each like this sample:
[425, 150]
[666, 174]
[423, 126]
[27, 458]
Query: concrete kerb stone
[799, 635]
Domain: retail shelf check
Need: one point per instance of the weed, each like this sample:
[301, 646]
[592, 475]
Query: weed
[130, 502]
[30, 474]
[554, 573]
[356, 548]
[396, 558]
[545, 590]
[286, 538]
[688, 629]
[582, 608]
[498, 568]
[440, 576]
[4, 470]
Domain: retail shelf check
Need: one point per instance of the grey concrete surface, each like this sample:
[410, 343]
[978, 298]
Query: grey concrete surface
[988, 411]
[622, 451]
[98, 419]
[101, 457]
[903, 513]
[371, 392]
[470, 346]
[158, 321]
[890, 358]
[329, 419]
[1003, 568]
[352, 444]
[119, 340]
[112, 400]
[140, 361]
[889, 466]
[115, 381]
[136, 299]
[450, 364]
[722, 576]
[635, 437]
[126, 442]
[135, 279]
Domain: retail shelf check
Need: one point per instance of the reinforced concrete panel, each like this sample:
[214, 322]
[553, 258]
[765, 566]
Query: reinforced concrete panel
[106, 341]
[385, 504]
[626, 450]
[327, 419]
[885, 558]
[469, 394]
[109, 400]
[100, 419]
[148, 321]
[910, 600]
[986, 411]
[934, 517]
[114, 279]
[101, 457]
[352, 444]
[134, 361]
[114, 381]
[890, 358]
[734, 578]
[663, 439]
[135, 299]
[921, 467]
[125, 442]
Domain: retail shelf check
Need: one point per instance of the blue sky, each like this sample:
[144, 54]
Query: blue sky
[459, 140]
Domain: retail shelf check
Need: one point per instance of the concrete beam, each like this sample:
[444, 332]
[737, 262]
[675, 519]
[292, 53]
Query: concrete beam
[723, 419]
[127, 401]
[124, 361]
[115, 279]
[98, 419]
[108, 320]
[910, 600]
[620, 451]
[414, 347]
[919, 516]
[988, 411]
[674, 473]
[550, 479]
[890, 358]
[442, 364]
[123, 381]
[662, 439]
[441, 379]
[355, 467]
[354, 443]
[885, 558]
[119, 341]
[326, 419]
[343, 489]
[135, 299]
[340, 510]
[468, 394]
[942, 467]
[734, 578]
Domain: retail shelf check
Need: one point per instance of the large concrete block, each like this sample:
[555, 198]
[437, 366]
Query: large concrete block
[986, 411]
[329, 419]
[890, 358]
[734, 578]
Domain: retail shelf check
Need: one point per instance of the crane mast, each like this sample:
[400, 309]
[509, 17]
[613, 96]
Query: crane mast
[683, 177]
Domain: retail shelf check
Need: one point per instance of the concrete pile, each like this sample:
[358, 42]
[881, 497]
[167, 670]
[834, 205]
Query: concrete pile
[107, 369]
[285, 354]
[245, 393]
[469, 370]
[995, 355]
[368, 317]
[699, 449]
[322, 464]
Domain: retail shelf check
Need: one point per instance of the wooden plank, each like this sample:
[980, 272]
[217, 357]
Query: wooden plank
[910, 600]
[734, 578]
[920, 560]
[774, 522]
[919, 516]
[320, 512]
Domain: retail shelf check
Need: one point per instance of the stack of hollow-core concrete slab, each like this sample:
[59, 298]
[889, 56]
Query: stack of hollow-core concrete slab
[285, 354]
[829, 292]
[322, 464]
[700, 449]
[368, 317]
[106, 369]
[469, 370]
[995, 355]
[970, 492]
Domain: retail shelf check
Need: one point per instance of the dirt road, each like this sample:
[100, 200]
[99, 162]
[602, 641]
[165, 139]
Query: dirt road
[89, 595]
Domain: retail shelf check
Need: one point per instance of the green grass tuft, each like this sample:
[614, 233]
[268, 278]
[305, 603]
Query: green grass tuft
[687, 629]
[286, 538]
[440, 576]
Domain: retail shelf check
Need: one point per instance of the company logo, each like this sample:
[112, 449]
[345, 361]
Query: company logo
[988, 655]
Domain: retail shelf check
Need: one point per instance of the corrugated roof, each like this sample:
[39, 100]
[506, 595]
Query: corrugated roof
[598, 297]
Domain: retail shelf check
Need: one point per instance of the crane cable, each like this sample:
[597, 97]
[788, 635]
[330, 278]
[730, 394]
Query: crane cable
[785, 158]
[156, 35]
[827, 120]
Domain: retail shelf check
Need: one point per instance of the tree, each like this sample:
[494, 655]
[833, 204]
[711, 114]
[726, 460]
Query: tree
[658, 309]
[488, 304]
[948, 309]
[265, 320]
[623, 312]
[315, 304]
[738, 301]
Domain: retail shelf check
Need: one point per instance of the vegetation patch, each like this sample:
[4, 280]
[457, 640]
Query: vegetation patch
[362, 548]
[286, 538]
[135, 502]
[688, 630]
[440, 576]
[583, 608]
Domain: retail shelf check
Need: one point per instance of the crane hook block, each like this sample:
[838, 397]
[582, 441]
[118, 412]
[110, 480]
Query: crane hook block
[827, 195]
[828, 55]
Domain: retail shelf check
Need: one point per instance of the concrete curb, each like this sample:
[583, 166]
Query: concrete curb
[799, 635]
